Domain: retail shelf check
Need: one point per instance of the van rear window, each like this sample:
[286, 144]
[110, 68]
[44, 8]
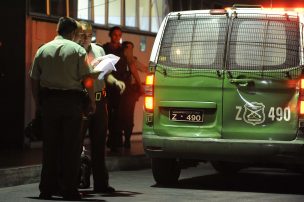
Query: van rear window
[194, 41]
[264, 42]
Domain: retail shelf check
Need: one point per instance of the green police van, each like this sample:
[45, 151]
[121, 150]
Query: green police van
[225, 86]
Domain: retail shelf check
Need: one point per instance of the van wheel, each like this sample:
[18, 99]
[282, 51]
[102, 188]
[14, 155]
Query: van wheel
[226, 167]
[165, 171]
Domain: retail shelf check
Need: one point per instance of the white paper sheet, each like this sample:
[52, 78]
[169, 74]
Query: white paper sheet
[105, 65]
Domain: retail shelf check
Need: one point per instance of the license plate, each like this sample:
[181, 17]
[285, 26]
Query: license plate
[186, 115]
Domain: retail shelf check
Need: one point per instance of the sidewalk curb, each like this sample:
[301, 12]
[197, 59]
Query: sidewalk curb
[31, 174]
[19, 175]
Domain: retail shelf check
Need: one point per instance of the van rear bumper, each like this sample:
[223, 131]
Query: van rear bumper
[209, 149]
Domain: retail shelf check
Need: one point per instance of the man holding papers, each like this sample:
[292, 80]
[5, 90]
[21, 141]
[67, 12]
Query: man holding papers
[98, 122]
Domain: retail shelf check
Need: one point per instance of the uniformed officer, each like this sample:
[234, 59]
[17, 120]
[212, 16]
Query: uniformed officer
[57, 73]
[97, 123]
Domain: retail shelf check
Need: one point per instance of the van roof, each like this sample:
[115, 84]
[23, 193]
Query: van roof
[250, 9]
[294, 12]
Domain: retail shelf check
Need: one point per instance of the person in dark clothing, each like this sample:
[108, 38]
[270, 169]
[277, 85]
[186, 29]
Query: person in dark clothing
[129, 98]
[114, 47]
[125, 71]
[57, 73]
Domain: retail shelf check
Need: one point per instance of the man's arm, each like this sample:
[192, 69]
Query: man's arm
[35, 91]
[134, 72]
[128, 53]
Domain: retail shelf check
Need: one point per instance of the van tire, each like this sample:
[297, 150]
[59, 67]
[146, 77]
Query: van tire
[226, 168]
[165, 171]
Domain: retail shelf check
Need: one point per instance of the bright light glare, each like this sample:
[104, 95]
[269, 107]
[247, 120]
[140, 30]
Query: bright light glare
[88, 82]
[150, 79]
[302, 84]
[299, 10]
[149, 103]
[275, 9]
[301, 107]
[286, 9]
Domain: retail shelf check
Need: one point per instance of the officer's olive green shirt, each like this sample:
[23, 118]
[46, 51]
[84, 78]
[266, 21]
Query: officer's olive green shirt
[97, 51]
[60, 64]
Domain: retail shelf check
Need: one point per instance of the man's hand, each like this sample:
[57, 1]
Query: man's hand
[121, 85]
[113, 81]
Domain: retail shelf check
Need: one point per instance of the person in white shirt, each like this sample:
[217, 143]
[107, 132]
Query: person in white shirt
[97, 123]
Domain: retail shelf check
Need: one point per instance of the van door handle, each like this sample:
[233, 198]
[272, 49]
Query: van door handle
[242, 82]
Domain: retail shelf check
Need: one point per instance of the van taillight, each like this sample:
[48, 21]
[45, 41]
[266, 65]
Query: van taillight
[149, 103]
[150, 80]
[301, 107]
[301, 98]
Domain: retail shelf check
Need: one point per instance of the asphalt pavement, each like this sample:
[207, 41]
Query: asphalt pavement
[201, 183]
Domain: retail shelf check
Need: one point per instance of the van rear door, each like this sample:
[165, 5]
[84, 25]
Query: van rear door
[260, 86]
[188, 77]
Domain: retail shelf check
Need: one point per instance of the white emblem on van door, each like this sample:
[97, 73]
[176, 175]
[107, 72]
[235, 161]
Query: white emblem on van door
[254, 113]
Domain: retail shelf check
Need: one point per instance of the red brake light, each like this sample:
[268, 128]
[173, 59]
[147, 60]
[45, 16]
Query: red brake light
[301, 98]
[150, 79]
[302, 84]
[298, 9]
[149, 103]
[301, 107]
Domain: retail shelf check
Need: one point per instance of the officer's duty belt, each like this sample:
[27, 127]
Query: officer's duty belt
[61, 93]
[99, 95]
